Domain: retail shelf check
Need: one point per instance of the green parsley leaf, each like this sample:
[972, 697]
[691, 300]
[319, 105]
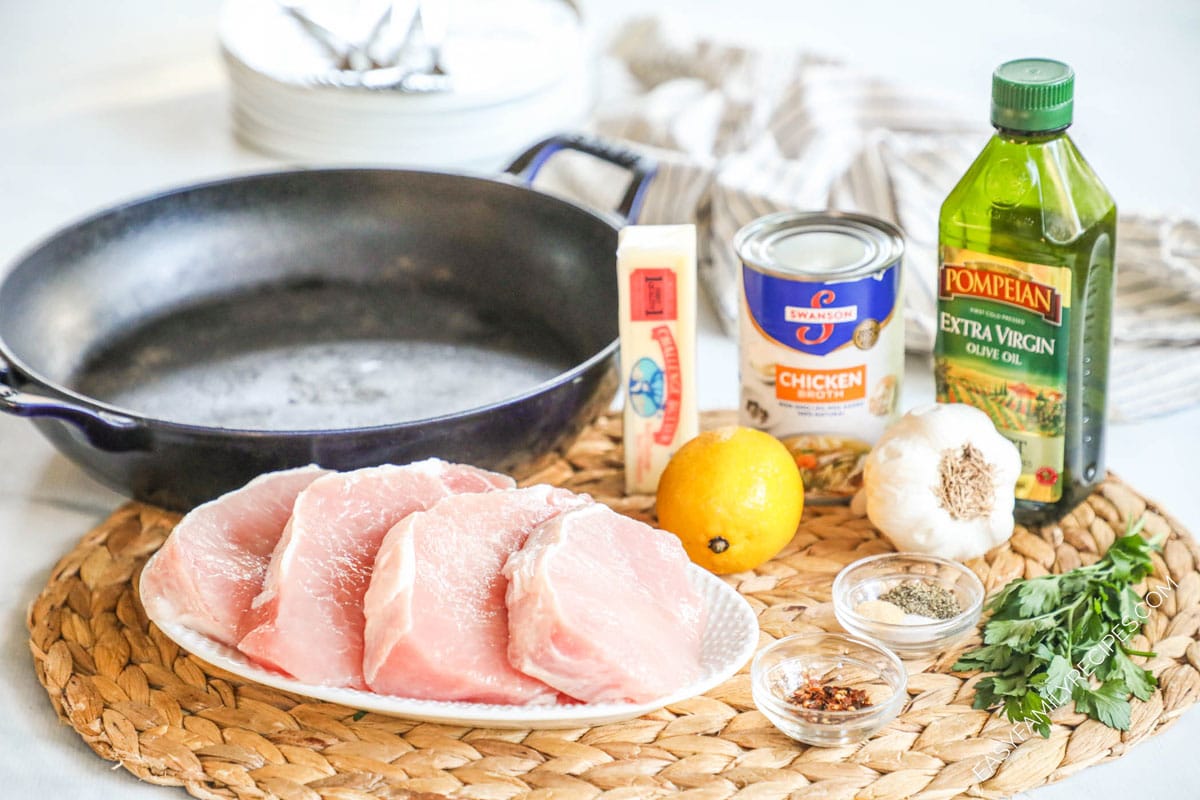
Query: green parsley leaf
[1015, 633]
[1038, 596]
[1060, 680]
[1109, 703]
[989, 658]
[1140, 682]
[1058, 638]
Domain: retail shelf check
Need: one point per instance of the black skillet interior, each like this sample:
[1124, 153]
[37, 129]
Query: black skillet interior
[284, 302]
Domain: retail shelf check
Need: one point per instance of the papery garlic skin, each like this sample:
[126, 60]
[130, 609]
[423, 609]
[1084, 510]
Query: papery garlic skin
[902, 482]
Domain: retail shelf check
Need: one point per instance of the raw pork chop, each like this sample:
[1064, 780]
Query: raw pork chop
[437, 628]
[308, 618]
[212, 565]
[600, 607]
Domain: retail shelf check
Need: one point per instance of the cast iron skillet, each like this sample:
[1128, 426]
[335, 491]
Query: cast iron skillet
[179, 345]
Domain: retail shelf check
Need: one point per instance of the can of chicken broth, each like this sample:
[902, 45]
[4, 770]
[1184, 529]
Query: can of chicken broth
[821, 340]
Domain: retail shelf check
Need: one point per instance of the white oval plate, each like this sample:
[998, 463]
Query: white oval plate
[730, 638]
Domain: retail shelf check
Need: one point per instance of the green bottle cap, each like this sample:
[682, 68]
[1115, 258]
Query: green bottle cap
[1033, 95]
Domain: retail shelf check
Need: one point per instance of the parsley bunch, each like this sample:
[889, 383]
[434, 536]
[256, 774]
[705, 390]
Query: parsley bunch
[1061, 637]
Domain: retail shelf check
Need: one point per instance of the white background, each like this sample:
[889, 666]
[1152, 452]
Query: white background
[100, 102]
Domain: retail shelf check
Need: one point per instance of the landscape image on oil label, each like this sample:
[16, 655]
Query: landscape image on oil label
[1016, 406]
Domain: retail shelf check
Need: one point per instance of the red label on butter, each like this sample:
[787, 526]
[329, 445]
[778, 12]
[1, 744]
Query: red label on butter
[665, 434]
[652, 295]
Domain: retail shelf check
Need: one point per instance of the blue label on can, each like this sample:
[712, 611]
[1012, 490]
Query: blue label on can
[817, 317]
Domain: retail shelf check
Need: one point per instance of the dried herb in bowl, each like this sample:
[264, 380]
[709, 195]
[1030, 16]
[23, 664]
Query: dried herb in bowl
[923, 598]
[1062, 637]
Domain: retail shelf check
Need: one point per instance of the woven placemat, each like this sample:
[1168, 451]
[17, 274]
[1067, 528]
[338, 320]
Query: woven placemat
[137, 698]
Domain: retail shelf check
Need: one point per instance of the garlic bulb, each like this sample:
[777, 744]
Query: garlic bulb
[941, 481]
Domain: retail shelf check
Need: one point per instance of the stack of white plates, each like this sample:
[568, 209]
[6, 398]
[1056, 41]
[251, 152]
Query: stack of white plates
[518, 70]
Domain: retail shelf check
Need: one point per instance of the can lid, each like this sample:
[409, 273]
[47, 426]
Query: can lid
[1033, 95]
[819, 245]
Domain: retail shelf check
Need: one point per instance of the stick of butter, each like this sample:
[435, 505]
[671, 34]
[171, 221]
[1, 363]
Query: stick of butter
[656, 276]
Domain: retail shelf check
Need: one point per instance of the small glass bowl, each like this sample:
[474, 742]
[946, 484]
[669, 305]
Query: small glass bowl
[829, 659]
[868, 578]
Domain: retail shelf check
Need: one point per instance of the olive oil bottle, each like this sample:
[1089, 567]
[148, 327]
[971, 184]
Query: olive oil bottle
[1025, 290]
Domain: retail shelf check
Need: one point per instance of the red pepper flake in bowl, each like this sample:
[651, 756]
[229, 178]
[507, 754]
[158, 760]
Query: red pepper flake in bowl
[817, 697]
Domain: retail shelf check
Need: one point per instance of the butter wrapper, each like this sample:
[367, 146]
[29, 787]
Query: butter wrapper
[656, 275]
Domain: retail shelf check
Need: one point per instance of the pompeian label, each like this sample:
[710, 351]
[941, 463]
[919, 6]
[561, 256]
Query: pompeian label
[1002, 347]
[957, 281]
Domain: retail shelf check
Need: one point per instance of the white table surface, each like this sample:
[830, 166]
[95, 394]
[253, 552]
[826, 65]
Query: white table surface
[102, 102]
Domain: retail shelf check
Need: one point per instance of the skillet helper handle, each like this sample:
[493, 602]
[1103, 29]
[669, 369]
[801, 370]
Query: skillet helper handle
[641, 168]
[104, 429]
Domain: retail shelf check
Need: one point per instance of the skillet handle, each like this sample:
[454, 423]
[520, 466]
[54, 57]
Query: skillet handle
[641, 168]
[104, 429]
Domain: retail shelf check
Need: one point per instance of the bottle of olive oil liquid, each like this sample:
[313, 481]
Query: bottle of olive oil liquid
[1025, 290]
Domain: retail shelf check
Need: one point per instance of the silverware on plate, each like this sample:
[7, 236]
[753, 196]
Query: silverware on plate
[414, 66]
[397, 79]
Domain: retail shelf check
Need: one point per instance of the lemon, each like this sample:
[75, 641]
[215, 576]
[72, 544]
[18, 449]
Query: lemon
[733, 496]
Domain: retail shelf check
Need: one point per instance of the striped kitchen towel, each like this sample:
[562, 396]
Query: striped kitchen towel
[740, 133]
